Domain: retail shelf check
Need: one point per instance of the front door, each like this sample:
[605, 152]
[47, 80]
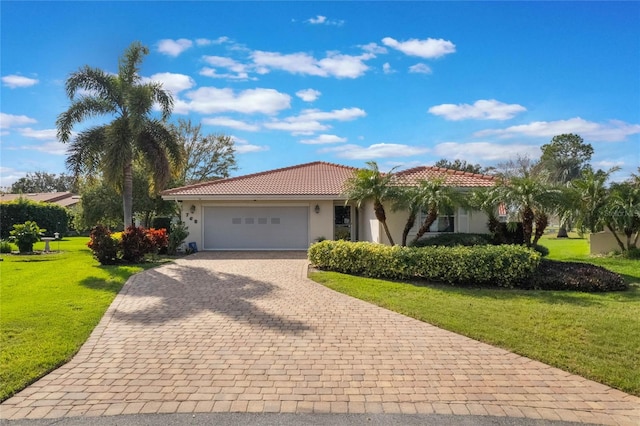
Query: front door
[342, 223]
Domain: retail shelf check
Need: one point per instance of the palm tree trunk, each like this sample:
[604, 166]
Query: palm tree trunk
[411, 220]
[382, 218]
[562, 232]
[541, 224]
[127, 194]
[527, 225]
[428, 221]
[618, 240]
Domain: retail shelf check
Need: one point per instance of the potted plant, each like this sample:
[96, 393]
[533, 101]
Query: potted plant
[25, 235]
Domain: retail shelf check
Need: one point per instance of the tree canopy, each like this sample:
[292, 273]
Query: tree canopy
[43, 182]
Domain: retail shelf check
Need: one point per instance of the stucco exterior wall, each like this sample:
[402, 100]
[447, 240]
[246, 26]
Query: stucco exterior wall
[368, 224]
[602, 243]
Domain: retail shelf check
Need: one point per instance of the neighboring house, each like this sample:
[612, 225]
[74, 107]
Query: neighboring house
[292, 207]
[64, 199]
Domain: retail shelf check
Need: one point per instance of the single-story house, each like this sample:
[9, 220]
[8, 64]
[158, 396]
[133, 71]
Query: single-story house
[292, 207]
[64, 199]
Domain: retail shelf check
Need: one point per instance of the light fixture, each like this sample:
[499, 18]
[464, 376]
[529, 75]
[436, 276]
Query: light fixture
[192, 209]
[317, 209]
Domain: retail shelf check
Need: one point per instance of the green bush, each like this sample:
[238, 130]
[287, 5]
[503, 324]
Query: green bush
[50, 216]
[555, 275]
[505, 266]
[5, 247]
[103, 245]
[25, 235]
[162, 223]
[632, 253]
[454, 239]
[177, 236]
[544, 251]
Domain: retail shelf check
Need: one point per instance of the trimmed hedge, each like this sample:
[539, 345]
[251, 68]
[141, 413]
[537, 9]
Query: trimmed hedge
[554, 275]
[454, 239]
[505, 266]
[52, 217]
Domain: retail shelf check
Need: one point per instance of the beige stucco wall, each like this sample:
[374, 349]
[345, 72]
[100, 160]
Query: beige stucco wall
[602, 243]
[370, 228]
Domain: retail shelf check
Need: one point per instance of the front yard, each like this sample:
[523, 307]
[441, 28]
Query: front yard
[594, 335]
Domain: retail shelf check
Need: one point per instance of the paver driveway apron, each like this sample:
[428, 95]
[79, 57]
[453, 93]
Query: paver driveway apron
[248, 332]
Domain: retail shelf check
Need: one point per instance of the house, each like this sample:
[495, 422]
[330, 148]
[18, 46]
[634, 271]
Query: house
[290, 208]
[64, 199]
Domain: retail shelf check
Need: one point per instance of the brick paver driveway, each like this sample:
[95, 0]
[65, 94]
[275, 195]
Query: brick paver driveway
[248, 332]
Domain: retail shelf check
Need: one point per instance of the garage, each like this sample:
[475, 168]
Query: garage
[256, 228]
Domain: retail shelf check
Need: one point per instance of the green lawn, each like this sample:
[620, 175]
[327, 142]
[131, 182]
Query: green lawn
[49, 304]
[594, 335]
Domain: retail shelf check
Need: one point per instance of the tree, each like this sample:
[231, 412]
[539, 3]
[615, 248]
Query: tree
[372, 184]
[206, 157]
[43, 182]
[486, 200]
[564, 159]
[586, 198]
[622, 213]
[435, 197]
[132, 134]
[407, 198]
[462, 166]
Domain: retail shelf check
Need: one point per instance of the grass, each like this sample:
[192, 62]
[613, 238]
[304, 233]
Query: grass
[595, 335]
[49, 304]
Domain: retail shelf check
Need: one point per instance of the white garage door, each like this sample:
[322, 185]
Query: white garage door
[256, 228]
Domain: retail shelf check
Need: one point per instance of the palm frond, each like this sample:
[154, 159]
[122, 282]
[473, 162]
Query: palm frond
[79, 110]
[85, 153]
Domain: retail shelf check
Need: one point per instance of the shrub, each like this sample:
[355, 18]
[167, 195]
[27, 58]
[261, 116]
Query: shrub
[103, 245]
[509, 233]
[455, 239]
[25, 235]
[555, 275]
[632, 253]
[177, 236]
[544, 251]
[50, 216]
[162, 223]
[505, 266]
[158, 239]
[135, 244]
[5, 247]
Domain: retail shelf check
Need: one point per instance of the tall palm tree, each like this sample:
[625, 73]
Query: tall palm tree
[586, 198]
[435, 197]
[132, 135]
[372, 184]
[407, 198]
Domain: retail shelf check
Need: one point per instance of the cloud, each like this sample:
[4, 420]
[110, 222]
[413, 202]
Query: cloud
[481, 110]
[8, 176]
[174, 83]
[43, 135]
[487, 151]
[242, 146]
[429, 49]
[209, 100]
[333, 65]
[611, 131]
[211, 72]
[10, 120]
[207, 42]
[323, 20]
[607, 164]
[52, 147]
[374, 48]
[386, 68]
[309, 120]
[230, 122]
[379, 150]
[308, 95]
[323, 139]
[420, 68]
[15, 81]
[174, 47]
[239, 70]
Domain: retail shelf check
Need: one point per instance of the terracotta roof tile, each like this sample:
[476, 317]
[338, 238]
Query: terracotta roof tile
[317, 178]
[451, 177]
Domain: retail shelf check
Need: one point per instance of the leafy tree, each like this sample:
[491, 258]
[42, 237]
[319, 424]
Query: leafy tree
[435, 197]
[564, 159]
[462, 166]
[43, 182]
[132, 134]
[372, 184]
[206, 157]
[586, 198]
[622, 213]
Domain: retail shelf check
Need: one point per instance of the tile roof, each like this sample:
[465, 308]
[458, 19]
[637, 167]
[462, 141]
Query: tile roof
[65, 199]
[451, 177]
[317, 178]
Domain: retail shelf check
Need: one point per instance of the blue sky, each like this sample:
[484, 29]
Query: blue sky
[401, 83]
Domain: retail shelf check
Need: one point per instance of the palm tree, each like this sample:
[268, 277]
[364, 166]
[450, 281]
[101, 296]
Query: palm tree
[623, 212]
[133, 135]
[435, 197]
[486, 200]
[407, 198]
[587, 197]
[372, 184]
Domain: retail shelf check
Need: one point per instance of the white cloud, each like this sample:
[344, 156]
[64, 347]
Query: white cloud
[297, 127]
[379, 150]
[487, 151]
[612, 131]
[429, 48]
[15, 81]
[420, 68]
[482, 110]
[224, 62]
[308, 95]
[174, 83]
[374, 48]
[607, 164]
[323, 20]
[174, 47]
[52, 147]
[43, 135]
[344, 114]
[324, 139]
[333, 65]
[207, 42]
[10, 120]
[230, 122]
[386, 68]
[209, 100]
[211, 72]
[8, 176]
[243, 146]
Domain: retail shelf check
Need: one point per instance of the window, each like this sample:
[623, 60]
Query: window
[444, 223]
